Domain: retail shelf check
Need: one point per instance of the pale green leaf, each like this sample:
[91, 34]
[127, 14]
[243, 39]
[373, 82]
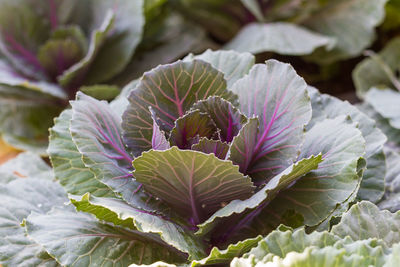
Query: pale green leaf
[351, 22]
[19, 198]
[261, 198]
[67, 162]
[325, 106]
[119, 212]
[377, 70]
[232, 64]
[79, 239]
[279, 37]
[364, 220]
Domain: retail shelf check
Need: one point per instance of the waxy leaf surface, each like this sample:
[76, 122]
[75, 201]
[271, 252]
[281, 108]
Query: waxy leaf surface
[277, 96]
[194, 183]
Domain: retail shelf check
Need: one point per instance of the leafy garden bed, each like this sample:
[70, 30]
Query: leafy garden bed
[219, 158]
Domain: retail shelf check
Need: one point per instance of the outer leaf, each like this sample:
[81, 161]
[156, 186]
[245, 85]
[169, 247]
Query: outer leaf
[279, 37]
[360, 253]
[351, 22]
[73, 77]
[192, 38]
[189, 128]
[26, 165]
[67, 162]
[216, 147]
[232, 64]
[119, 212]
[252, 206]
[78, 239]
[19, 199]
[226, 117]
[170, 90]
[27, 128]
[96, 132]
[391, 199]
[386, 103]
[8, 77]
[364, 220]
[193, 183]
[325, 106]
[121, 42]
[281, 242]
[217, 256]
[23, 29]
[319, 192]
[119, 104]
[371, 72]
[277, 95]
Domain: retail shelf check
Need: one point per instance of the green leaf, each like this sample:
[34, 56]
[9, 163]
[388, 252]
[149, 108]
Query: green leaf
[227, 118]
[216, 147]
[120, 43]
[383, 124]
[359, 253]
[373, 182]
[315, 197]
[217, 256]
[279, 37]
[252, 206]
[101, 91]
[281, 242]
[351, 22]
[119, 212]
[170, 90]
[26, 165]
[194, 183]
[78, 239]
[232, 64]
[67, 162]
[72, 77]
[27, 128]
[391, 199]
[277, 95]
[377, 71]
[96, 131]
[19, 198]
[57, 55]
[386, 103]
[190, 127]
[364, 220]
[119, 104]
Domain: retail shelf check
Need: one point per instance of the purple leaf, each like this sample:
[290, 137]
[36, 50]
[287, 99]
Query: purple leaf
[277, 96]
[158, 140]
[170, 90]
[226, 117]
[216, 147]
[190, 128]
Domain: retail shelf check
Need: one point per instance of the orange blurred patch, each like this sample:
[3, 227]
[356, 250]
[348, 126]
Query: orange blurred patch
[7, 152]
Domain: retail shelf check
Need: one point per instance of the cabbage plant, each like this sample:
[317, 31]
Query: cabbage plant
[327, 31]
[204, 157]
[51, 49]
